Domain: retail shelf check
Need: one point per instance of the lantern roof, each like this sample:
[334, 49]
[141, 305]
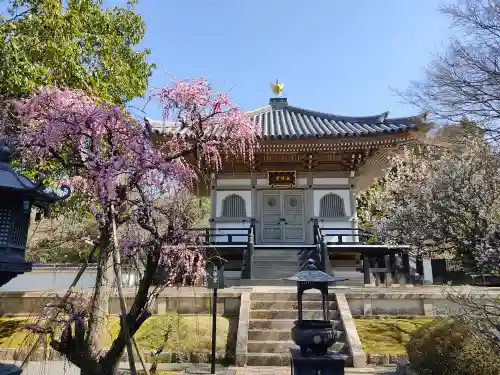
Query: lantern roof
[11, 181]
[311, 274]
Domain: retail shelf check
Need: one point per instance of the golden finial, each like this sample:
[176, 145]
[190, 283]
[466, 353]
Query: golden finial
[277, 88]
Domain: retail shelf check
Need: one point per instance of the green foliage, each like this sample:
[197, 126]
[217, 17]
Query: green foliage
[452, 348]
[76, 44]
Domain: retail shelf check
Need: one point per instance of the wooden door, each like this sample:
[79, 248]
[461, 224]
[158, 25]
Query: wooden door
[293, 215]
[282, 216]
[271, 224]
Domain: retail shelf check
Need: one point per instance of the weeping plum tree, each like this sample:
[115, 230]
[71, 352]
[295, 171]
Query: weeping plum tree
[446, 195]
[125, 178]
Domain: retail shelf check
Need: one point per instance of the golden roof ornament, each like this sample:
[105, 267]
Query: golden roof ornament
[277, 88]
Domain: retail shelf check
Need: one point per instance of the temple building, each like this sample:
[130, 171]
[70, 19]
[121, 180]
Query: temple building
[302, 186]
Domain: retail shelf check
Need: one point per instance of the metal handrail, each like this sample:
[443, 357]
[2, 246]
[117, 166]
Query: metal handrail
[246, 267]
[340, 234]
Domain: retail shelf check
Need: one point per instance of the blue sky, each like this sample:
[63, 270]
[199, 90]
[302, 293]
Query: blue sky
[343, 57]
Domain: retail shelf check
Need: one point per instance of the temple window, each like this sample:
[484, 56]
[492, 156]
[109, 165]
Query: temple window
[331, 205]
[233, 206]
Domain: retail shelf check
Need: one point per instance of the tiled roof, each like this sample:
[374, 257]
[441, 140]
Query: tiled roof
[281, 121]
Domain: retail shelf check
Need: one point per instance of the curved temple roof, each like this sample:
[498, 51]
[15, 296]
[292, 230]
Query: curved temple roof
[281, 121]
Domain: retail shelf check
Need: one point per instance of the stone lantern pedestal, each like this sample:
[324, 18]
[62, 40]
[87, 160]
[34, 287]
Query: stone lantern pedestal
[315, 337]
[328, 364]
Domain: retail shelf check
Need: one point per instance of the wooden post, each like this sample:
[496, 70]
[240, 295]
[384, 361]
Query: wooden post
[394, 272]
[380, 265]
[406, 267]
[325, 258]
[399, 269]
[388, 266]
[374, 263]
[366, 269]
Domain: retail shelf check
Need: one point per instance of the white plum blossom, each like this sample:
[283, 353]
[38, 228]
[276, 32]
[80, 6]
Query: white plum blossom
[447, 195]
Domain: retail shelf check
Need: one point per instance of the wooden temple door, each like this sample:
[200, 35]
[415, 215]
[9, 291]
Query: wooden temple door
[282, 216]
[271, 216]
[293, 215]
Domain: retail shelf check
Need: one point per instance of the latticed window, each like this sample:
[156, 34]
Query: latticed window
[233, 206]
[331, 205]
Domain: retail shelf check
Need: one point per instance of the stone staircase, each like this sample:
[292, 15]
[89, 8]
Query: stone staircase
[272, 264]
[271, 320]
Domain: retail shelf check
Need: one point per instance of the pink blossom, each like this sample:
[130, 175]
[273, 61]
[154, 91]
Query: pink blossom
[109, 159]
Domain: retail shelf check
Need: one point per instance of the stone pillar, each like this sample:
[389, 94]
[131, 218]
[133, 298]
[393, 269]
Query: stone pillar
[427, 267]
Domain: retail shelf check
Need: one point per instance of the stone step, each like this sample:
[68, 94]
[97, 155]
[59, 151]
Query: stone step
[272, 281]
[268, 359]
[291, 263]
[281, 324]
[277, 335]
[258, 273]
[267, 282]
[257, 324]
[276, 262]
[291, 305]
[276, 253]
[307, 296]
[275, 268]
[282, 346]
[276, 359]
[270, 346]
[290, 314]
[269, 335]
[281, 263]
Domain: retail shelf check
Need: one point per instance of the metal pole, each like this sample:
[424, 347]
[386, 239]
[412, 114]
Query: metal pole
[214, 328]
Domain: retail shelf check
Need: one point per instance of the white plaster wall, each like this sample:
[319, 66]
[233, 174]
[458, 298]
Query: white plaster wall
[262, 182]
[221, 194]
[239, 235]
[234, 182]
[332, 235]
[343, 193]
[331, 180]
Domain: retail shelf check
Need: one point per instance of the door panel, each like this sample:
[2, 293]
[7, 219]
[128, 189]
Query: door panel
[282, 216]
[271, 215]
[293, 213]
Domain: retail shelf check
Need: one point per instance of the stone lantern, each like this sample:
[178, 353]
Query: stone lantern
[315, 337]
[18, 195]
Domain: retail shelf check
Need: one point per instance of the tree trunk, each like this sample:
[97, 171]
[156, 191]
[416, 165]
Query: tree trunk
[99, 304]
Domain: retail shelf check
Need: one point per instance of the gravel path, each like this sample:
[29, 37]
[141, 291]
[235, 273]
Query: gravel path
[61, 368]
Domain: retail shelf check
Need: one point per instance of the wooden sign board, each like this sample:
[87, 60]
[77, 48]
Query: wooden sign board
[282, 178]
[215, 276]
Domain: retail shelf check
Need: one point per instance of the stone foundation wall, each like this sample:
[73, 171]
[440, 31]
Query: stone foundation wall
[377, 301]
[183, 301]
[418, 301]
